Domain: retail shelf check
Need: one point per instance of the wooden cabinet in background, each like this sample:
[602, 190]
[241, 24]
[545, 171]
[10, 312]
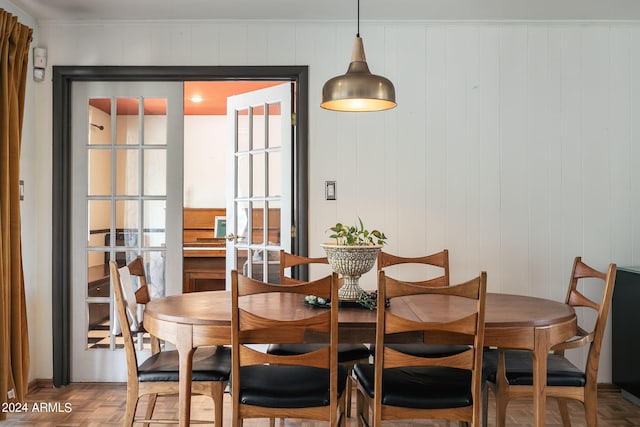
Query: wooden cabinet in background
[204, 270]
[204, 257]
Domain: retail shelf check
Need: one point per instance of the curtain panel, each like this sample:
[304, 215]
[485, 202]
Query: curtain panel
[15, 39]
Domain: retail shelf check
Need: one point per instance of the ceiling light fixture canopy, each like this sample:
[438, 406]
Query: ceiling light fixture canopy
[358, 89]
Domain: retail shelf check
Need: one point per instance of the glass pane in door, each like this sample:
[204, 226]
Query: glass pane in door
[128, 121]
[258, 128]
[99, 172]
[273, 222]
[243, 130]
[155, 172]
[155, 121]
[98, 292]
[274, 176]
[275, 124]
[257, 223]
[127, 172]
[258, 174]
[99, 223]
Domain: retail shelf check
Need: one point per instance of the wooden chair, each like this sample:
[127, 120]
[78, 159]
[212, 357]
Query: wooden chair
[439, 260]
[510, 374]
[158, 375]
[263, 385]
[348, 354]
[404, 386]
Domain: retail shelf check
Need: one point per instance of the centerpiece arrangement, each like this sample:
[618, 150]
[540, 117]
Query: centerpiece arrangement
[353, 253]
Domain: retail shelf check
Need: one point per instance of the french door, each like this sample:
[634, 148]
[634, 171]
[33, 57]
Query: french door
[126, 201]
[259, 187]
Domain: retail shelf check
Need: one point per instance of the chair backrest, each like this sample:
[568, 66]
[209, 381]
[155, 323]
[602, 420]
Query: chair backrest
[439, 259]
[462, 314]
[127, 306]
[576, 298]
[264, 313]
[288, 260]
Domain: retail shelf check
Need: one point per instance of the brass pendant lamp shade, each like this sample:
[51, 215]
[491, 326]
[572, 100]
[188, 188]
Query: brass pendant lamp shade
[358, 89]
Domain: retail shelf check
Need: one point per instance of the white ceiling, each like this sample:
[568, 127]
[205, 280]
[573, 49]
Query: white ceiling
[44, 10]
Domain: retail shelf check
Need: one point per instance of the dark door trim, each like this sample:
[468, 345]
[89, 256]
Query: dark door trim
[63, 77]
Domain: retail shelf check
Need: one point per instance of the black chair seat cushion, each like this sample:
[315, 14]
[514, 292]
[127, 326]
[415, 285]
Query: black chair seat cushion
[276, 386]
[346, 352]
[419, 387]
[426, 350]
[519, 364]
[209, 364]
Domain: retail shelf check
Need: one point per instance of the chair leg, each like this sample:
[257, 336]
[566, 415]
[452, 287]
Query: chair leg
[217, 394]
[485, 404]
[132, 404]
[501, 409]
[501, 390]
[235, 414]
[151, 405]
[349, 391]
[564, 412]
[362, 409]
[342, 414]
[591, 408]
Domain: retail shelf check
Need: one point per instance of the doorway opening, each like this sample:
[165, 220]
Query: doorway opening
[207, 167]
[63, 77]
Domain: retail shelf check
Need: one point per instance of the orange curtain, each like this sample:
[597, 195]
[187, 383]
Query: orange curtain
[14, 339]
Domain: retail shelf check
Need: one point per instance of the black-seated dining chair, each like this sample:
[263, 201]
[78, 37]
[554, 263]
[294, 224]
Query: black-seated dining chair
[159, 374]
[263, 385]
[437, 276]
[404, 386]
[509, 373]
[348, 354]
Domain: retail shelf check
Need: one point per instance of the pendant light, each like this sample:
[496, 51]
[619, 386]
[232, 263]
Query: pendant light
[358, 89]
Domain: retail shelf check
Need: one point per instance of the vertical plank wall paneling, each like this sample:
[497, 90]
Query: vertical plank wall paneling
[458, 172]
[489, 212]
[514, 206]
[513, 145]
[409, 154]
[541, 98]
[434, 124]
[621, 130]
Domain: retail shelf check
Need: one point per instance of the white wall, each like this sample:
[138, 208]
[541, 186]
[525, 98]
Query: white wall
[205, 169]
[512, 145]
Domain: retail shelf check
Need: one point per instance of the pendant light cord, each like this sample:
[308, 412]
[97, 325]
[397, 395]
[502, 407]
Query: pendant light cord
[358, 33]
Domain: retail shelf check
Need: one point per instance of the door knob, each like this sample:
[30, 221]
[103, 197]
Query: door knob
[231, 237]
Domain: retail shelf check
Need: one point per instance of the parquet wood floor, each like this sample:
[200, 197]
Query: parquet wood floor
[103, 404]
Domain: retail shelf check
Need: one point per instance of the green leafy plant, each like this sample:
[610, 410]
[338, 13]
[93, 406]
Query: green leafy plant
[356, 235]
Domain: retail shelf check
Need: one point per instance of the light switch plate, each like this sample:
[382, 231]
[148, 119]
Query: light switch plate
[330, 190]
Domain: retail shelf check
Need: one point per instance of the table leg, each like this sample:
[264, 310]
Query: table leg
[184, 345]
[540, 353]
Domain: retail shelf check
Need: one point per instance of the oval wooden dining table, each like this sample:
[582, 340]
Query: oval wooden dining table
[511, 321]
